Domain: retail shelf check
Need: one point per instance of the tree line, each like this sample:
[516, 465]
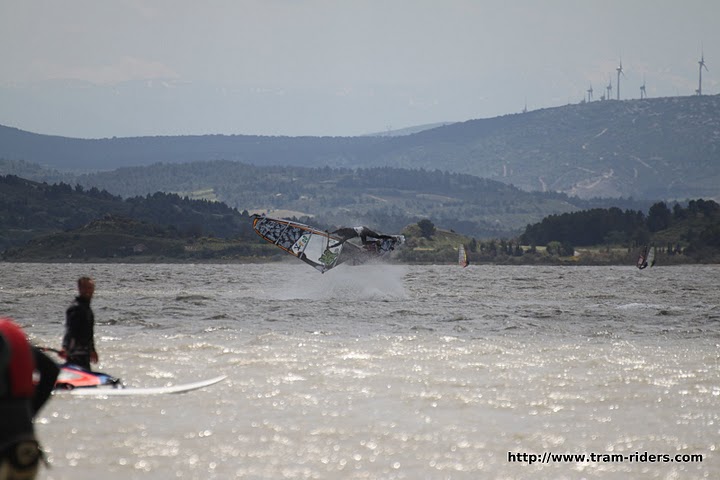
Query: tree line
[30, 208]
[699, 222]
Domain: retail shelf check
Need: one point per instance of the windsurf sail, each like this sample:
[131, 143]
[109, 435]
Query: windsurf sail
[651, 256]
[643, 258]
[463, 260]
[323, 250]
[71, 377]
[315, 247]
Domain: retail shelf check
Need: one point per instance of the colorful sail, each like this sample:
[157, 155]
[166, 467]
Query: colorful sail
[323, 250]
[641, 263]
[646, 257]
[314, 247]
[651, 256]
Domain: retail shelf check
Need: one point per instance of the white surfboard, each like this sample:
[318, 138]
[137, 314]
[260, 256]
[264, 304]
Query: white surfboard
[131, 391]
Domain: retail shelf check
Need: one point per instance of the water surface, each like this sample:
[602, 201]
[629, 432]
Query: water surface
[383, 372]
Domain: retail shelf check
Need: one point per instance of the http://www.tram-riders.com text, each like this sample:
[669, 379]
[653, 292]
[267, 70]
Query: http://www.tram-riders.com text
[635, 457]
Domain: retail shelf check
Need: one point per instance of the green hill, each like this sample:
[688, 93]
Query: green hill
[653, 149]
[122, 239]
[47, 223]
[387, 198]
[31, 209]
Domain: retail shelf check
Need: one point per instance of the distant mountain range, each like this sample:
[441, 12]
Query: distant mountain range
[653, 149]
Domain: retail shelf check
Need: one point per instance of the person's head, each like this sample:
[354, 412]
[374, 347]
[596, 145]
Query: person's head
[86, 287]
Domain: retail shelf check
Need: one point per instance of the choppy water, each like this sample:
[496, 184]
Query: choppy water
[382, 372]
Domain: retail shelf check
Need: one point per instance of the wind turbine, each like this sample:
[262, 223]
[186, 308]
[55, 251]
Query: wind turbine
[702, 65]
[620, 71]
[590, 92]
[643, 93]
[609, 88]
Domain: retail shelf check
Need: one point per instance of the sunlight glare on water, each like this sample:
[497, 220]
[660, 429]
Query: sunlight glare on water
[384, 372]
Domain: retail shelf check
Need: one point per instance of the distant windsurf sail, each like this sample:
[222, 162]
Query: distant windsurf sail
[646, 257]
[314, 247]
[651, 256]
[641, 261]
[463, 260]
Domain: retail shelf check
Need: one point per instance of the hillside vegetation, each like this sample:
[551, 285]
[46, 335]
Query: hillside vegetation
[572, 178]
[29, 209]
[386, 198]
[693, 230]
[652, 149]
[41, 222]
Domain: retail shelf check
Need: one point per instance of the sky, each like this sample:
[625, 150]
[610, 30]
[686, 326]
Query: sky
[101, 68]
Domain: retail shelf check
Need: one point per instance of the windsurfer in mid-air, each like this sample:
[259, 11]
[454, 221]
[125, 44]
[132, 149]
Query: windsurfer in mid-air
[371, 241]
[323, 249]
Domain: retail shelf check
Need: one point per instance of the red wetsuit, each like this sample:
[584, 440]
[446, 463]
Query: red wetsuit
[20, 399]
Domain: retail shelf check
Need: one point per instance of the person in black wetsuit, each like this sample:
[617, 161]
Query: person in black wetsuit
[78, 345]
[368, 237]
[20, 401]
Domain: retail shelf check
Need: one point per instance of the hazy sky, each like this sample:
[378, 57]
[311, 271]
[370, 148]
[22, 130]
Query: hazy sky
[101, 68]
